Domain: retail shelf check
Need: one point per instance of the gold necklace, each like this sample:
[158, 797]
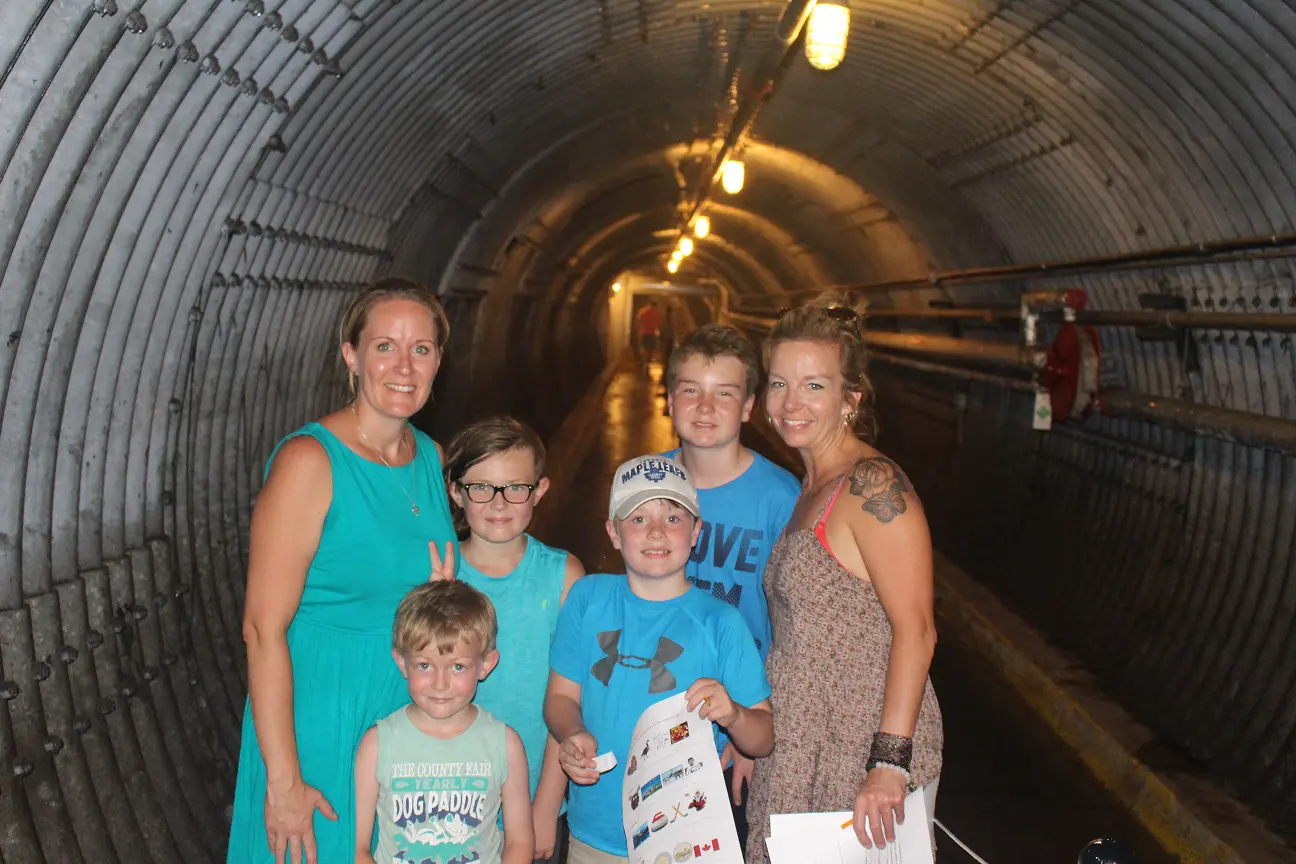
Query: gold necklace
[413, 504]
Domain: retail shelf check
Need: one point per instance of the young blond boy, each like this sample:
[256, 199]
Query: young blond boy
[433, 776]
[625, 642]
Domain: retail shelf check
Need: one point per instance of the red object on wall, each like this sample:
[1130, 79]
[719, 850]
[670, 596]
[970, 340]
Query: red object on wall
[1071, 371]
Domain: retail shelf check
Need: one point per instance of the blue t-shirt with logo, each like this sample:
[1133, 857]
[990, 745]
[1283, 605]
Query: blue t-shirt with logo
[741, 521]
[628, 653]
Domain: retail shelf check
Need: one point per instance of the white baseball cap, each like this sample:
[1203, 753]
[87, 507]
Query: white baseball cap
[648, 477]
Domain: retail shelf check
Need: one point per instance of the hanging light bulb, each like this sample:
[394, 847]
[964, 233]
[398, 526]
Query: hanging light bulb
[686, 246]
[731, 177]
[616, 286]
[702, 227]
[673, 265]
[826, 35]
[677, 255]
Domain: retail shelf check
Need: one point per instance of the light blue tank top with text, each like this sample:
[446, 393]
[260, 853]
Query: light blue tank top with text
[439, 799]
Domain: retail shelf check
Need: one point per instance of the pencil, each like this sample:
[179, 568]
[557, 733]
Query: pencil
[848, 823]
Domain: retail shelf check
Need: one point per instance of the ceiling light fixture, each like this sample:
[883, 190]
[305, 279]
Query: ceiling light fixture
[731, 177]
[826, 35]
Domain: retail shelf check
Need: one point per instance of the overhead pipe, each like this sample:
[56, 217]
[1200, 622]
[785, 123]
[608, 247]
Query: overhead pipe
[1273, 322]
[759, 91]
[1002, 353]
[1218, 251]
[761, 323]
[1239, 427]
[1020, 384]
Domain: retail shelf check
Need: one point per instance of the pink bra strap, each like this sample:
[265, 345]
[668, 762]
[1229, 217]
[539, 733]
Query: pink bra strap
[820, 528]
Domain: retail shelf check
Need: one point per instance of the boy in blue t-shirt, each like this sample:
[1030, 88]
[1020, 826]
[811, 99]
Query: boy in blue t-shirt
[626, 642]
[711, 381]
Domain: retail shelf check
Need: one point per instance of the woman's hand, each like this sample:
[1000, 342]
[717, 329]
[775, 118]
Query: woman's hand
[714, 700]
[442, 568]
[289, 817]
[881, 802]
[576, 755]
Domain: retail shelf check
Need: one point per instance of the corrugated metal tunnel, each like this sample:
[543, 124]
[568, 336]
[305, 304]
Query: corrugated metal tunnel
[189, 189]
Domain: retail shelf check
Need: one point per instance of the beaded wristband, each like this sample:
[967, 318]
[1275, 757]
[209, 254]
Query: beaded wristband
[871, 764]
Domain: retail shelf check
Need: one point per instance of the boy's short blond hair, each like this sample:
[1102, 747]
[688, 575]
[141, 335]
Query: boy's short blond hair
[443, 613]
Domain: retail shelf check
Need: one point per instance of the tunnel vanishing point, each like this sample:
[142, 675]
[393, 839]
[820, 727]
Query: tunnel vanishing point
[1072, 220]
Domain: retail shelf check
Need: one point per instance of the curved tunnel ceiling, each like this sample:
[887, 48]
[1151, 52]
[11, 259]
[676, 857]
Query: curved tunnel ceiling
[190, 188]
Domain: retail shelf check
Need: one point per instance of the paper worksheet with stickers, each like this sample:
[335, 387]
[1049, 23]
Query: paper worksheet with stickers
[674, 801]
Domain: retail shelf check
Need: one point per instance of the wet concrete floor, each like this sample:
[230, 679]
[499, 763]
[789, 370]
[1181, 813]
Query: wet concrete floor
[1009, 789]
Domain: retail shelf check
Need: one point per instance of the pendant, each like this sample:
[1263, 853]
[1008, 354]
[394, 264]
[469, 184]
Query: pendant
[414, 508]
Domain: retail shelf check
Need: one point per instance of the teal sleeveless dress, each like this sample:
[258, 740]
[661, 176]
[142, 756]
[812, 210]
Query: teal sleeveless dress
[372, 551]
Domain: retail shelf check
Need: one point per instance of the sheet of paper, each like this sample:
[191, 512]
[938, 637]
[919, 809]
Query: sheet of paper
[819, 838]
[674, 801]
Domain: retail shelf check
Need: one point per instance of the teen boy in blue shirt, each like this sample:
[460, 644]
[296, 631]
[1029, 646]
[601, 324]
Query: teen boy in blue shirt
[746, 500]
[626, 642]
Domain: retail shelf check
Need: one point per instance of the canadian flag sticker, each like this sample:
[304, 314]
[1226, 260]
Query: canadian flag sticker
[713, 846]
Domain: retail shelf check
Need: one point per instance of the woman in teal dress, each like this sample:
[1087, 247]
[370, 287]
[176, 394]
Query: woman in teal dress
[353, 514]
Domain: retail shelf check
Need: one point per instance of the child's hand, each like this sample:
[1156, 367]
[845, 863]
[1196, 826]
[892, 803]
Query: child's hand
[714, 699]
[742, 771]
[576, 755]
[442, 568]
[546, 832]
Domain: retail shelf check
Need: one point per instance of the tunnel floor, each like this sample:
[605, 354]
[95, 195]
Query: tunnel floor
[1009, 789]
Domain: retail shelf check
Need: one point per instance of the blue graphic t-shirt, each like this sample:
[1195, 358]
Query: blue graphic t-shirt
[439, 799]
[628, 653]
[741, 521]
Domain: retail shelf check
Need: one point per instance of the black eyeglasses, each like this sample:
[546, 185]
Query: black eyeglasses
[484, 493]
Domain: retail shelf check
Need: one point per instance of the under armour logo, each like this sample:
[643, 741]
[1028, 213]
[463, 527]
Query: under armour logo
[661, 681]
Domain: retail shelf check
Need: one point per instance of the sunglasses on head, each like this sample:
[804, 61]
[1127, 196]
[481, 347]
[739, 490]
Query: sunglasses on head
[837, 313]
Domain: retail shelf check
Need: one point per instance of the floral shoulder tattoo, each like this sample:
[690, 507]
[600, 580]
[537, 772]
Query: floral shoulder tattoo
[882, 485]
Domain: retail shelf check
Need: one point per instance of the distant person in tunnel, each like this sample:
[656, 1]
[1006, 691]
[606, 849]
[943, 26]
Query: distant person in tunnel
[648, 333]
[850, 591]
[353, 514]
[711, 380]
[495, 474]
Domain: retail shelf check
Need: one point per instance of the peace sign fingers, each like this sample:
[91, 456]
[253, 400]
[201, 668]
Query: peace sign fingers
[442, 568]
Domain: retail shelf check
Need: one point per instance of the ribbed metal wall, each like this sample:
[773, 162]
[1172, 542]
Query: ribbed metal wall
[190, 188]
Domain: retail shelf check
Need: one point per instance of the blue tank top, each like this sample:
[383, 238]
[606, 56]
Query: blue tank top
[373, 549]
[526, 606]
